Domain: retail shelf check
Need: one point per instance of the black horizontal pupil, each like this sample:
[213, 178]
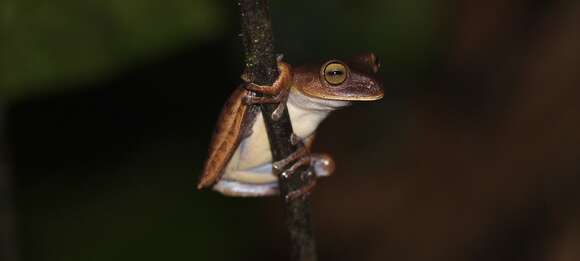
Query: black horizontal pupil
[335, 73]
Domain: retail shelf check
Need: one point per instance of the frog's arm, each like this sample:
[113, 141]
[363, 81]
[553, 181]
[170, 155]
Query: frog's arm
[235, 121]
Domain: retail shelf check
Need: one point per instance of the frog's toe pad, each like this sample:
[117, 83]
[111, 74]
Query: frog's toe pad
[322, 164]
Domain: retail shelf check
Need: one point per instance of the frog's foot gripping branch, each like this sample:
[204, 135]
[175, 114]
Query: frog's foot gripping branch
[321, 164]
[276, 93]
[301, 157]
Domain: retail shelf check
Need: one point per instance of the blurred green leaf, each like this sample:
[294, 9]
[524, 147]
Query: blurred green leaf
[66, 40]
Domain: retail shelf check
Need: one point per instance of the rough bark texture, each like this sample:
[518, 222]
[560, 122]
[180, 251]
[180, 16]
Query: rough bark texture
[261, 68]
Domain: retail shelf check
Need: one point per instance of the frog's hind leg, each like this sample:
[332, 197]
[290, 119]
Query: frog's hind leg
[260, 182]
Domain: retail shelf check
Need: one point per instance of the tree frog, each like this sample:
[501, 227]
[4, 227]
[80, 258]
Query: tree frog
[240, 162]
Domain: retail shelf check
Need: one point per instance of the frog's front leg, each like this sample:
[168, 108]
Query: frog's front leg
[276, 93]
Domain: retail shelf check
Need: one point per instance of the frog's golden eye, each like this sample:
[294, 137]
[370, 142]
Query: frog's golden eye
[335, 73]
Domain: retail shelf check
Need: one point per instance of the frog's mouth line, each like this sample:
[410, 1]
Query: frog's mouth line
[348, 97]
[353, 91]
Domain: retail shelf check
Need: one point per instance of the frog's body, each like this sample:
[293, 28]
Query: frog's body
[240, 161]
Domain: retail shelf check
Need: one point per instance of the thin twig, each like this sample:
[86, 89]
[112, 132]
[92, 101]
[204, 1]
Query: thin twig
[261, 68]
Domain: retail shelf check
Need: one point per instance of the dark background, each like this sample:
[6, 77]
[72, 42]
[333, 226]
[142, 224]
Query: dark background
[474, 153]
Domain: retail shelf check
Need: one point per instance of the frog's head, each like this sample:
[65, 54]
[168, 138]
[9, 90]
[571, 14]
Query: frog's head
[354, 79]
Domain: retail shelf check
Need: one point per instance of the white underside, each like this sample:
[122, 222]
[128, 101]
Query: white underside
[238, 189]
[249, 172]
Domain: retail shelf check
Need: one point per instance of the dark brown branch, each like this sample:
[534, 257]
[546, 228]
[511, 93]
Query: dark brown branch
[261, 68]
